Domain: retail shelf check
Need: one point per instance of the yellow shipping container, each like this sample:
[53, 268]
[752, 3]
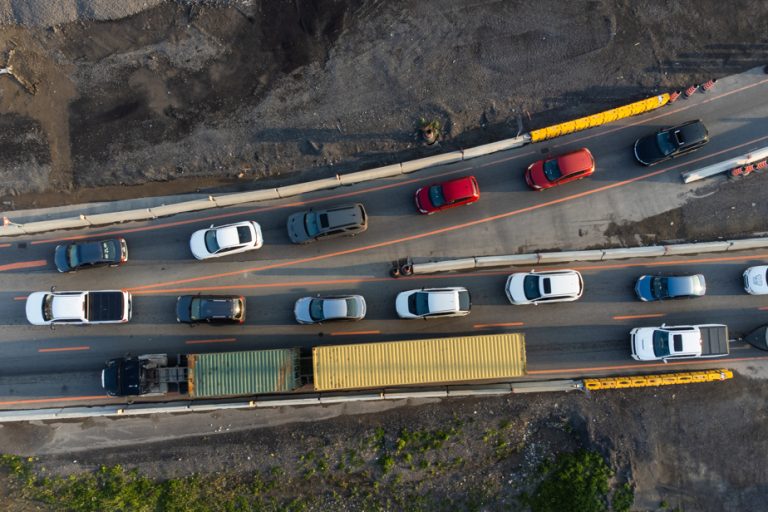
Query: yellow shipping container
[401, 363]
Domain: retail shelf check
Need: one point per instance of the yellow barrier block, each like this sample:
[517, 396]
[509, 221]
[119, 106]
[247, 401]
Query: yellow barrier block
[669, 379]
[600, 118]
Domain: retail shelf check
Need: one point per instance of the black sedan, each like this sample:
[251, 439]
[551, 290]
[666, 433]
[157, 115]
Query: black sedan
[671, 142]
[71, 257]
[213, 309]
[652, 288]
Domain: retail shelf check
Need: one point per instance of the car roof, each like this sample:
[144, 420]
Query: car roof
[689, 341]
[684, 285]
[334, 307]
[692, 132]
[458, 188]
[561, 284]
[345, 215]
[575, 161]
[443, 300]
[216, 306]
[227, 236]
[67, 306]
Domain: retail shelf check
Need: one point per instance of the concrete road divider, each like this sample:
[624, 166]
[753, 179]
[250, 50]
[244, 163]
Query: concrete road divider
[726, 165]
[506, 260]
[696, 248]
[50, 225]
[432, 161]
[566, 256]
[650, 251]
[444, 266]
[748, 243]
[246, 197]
[103, 219]
[309, 186]
[371, 174]
[493, 147]
[351, 398]
[403, 395]
[493, 389]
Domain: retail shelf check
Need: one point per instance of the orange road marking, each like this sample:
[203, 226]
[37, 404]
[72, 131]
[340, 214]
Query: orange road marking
[218, 340]
[629, 317]
[23, 264]
[21, 297]
[5, 245]
[479, 273]
[62, 349]
[44, 400]
[354, 333]
[763, 308]
[437, 231]
[648, 365]
[508, 324]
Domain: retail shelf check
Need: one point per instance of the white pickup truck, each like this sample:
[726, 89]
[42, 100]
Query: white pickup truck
[679, 342]
[79, 308]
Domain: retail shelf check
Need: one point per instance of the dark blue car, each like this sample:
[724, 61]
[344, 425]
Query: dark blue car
[651, 288]
[71, 257]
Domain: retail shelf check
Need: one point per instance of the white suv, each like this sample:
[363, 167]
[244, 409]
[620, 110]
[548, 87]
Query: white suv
[433, 302]
[549, 286]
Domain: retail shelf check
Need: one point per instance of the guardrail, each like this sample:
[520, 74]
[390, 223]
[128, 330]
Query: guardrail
[510, 260]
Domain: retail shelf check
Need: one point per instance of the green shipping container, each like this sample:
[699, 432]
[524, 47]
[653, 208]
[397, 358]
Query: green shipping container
[243, 373]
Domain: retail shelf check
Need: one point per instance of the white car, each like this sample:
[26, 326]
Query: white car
[665, 342]
[315, 310]
[549, 286]
[224, 240]
[433, 302]
[79, 308]
[756, 280]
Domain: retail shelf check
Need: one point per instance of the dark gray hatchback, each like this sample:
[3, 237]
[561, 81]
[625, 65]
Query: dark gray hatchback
[331, 222]
[214, 309]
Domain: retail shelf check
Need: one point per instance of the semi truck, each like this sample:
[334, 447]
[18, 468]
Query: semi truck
[78, 307]
[203, 375]
[679, 342]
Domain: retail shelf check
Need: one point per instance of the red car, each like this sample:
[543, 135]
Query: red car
[560, 169]
[441, 196]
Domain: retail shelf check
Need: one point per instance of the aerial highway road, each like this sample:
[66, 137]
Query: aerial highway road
[590, 336]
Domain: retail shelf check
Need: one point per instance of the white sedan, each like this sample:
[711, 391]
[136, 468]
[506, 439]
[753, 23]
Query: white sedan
[550, 286]
[755, 280]
[223, 240]
[433, 302]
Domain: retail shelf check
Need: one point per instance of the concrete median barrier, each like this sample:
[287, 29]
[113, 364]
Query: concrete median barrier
[186, 206]
[404, 395]
[103, 219]
[494, 389]
[727, 165]
[288, 402]
[309, 186]
[494, 147]
[246, 197]
[696, 248]
[55, 225]
[432, 161]
[12, 230]
[506, 260]
[371, 174]
[568, 256]
[444, 266]
[748, 243]
[634, 252]
[352, 398]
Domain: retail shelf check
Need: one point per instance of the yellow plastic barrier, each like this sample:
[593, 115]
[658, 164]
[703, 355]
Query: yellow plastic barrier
[550, 132]
[669, 379]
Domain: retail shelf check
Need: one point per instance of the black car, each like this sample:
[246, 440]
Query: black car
[213, 309]
[342, 220]
[71, 257]
[671, 142]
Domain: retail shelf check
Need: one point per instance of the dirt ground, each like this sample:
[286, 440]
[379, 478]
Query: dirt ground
[189, 96]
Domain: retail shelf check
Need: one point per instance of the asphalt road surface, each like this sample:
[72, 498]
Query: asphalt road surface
[590, 336]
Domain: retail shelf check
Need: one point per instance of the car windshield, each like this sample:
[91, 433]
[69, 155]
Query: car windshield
[660, 287]
[73, 254]
[316, 310]
[418, 303]
[195, 308]
[531, 287]
[310, 224]
[210, 241]
[352, 309]
[48, 308]
[551, 170]
[660, 343]
[436, 196]
[464, 300]
[665, 143]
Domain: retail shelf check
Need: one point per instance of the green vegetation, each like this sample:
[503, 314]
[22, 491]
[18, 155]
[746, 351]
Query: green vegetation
[623, 498]
[573, 481]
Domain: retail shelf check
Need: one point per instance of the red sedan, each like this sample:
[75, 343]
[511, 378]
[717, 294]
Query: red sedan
[441, 196]
[560, 169]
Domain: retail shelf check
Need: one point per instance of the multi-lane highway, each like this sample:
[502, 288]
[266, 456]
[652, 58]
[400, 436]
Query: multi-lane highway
[41, 365]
